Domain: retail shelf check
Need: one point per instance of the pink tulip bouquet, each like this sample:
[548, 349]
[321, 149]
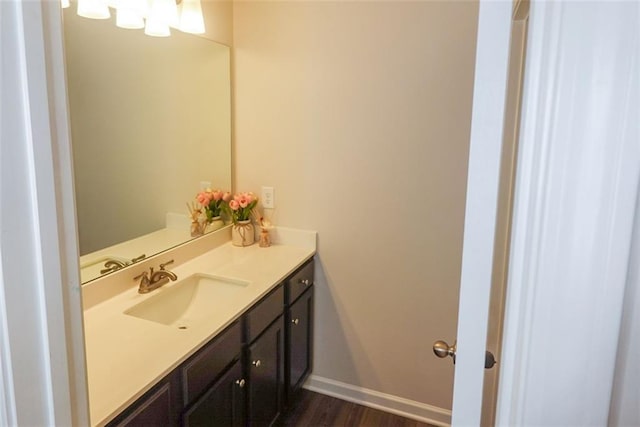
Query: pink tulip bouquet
[241, 206]
[213, 202]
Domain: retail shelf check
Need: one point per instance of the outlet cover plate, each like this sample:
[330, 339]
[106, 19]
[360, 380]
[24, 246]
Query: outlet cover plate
[267, 198]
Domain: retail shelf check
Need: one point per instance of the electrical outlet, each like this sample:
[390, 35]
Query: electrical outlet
[267, 198]
[204, 185]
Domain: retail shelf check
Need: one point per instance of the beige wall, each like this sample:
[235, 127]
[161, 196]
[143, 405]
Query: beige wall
[218, 20]
[358, 113]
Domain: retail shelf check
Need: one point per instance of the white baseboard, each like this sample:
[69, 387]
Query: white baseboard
[382, 401]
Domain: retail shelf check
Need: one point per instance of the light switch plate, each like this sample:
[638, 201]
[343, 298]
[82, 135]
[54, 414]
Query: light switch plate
[267, 198]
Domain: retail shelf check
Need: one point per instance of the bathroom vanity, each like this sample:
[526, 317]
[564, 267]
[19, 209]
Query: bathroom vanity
[241, 364]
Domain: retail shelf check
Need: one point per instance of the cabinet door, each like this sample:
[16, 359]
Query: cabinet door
[159, 406]
[203, 368]
[266, 375]
[300, 350]
[222, 405]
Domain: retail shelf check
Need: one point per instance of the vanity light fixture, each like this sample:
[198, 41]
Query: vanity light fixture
[155, 16]
[157, 25]
[94, 9]
[129, 19]
[130, 13]
[191, 20]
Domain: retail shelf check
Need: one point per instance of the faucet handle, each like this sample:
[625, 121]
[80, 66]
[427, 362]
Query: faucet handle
[163, 265]
[138, 258]
[142, 275]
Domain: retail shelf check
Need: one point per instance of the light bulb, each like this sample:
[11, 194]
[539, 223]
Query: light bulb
[191, 20]
[141, 7]
[156, 26]
[128, 18]
[94, 9]
[64, 3]
[166, 11]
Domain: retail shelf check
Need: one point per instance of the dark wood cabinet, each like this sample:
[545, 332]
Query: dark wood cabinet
[263, 313]
[266, 375]
[223, 405]
[300, 343]
[299, 282]
[203, 368]
[213, 384]
[158, 406]
[299, 329]
[246, 374]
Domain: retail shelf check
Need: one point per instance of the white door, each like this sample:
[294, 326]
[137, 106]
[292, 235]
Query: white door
[483, 182]
[496, 206]
[579, 169]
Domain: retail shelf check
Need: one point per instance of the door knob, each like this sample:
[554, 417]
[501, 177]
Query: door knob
[442, 350]
[489, 360]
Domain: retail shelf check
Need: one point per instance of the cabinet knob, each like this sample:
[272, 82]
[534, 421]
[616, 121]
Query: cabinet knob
[240, 382]
[305, 282]
[256, 363]
[295, 321]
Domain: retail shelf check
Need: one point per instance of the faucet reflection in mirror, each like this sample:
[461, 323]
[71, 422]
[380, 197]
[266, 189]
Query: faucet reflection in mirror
[155, 16]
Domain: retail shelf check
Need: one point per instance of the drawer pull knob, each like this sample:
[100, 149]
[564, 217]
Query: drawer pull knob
[295, 321]
[256, 363]
[240, 383]
[305, 282]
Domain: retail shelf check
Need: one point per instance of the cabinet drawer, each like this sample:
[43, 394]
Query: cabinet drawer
[264, 312]
[199, 372]
[300, 282]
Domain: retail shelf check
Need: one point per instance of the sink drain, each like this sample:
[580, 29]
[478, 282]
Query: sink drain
[183, 327]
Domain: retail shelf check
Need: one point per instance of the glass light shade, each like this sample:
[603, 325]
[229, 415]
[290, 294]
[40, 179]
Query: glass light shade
[94, 9]
[191, 20]
[141, 7]
[128, 18]
[156, 27]
[165, 11]
[64, 3]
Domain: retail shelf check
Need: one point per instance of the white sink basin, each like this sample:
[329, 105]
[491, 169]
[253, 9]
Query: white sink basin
[189, 301]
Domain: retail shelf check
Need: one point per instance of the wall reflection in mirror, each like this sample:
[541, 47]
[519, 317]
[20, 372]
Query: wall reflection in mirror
[150, 123]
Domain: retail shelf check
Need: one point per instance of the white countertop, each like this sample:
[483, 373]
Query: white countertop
[126, 355]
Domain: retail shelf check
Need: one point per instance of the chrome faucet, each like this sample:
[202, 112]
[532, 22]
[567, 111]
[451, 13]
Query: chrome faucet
[150, 280]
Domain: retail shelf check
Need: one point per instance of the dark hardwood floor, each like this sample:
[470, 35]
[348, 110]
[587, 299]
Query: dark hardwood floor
[316, 410]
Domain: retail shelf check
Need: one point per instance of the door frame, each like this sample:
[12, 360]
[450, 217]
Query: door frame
[42, 360]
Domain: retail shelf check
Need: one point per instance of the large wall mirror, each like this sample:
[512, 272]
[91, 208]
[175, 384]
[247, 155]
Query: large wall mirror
[150, 125]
